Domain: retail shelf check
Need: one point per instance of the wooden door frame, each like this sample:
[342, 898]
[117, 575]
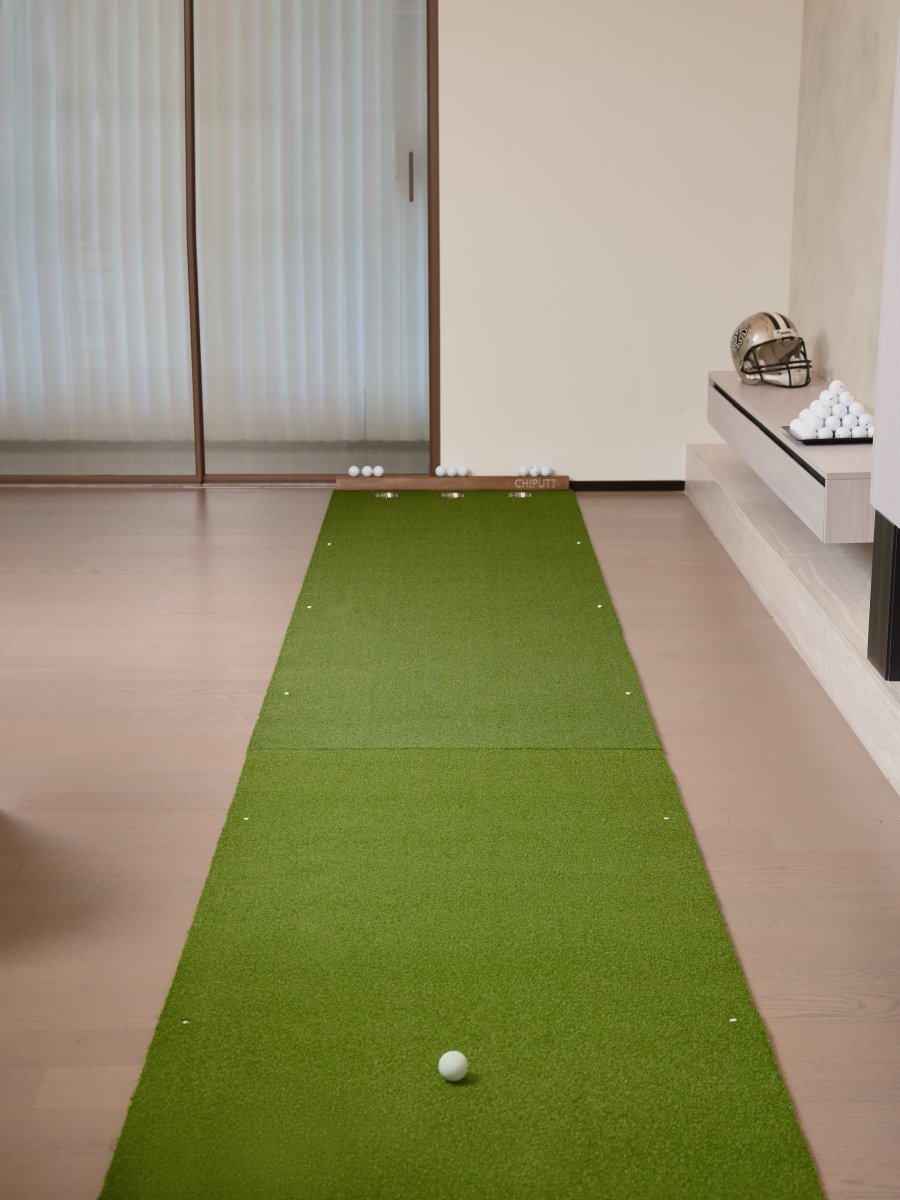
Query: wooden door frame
[200, 474]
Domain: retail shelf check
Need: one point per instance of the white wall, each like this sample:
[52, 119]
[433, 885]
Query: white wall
[616, 194]
[886, 450]
[843, 149]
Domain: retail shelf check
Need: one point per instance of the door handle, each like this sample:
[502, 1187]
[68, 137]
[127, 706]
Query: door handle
[412, 193]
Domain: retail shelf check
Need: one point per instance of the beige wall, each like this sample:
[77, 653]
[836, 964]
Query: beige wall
[616, 194]
[886, 451]
[843, 148]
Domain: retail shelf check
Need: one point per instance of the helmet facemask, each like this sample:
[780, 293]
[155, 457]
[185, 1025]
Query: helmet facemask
[782, 362]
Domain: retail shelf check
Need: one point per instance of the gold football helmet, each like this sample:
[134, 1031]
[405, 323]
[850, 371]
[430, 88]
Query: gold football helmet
[766, 348]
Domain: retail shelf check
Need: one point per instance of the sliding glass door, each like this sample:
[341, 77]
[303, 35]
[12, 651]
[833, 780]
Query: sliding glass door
[312, 234]
[95, 368]
[288, 156]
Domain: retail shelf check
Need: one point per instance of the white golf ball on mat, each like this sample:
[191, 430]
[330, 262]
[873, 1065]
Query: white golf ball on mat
[379, 471]
[453, 1066]
[367, 471]
[441, 471]
[354, 471]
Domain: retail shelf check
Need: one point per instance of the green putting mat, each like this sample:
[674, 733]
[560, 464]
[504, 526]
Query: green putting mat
[426, 622]
[543, 908]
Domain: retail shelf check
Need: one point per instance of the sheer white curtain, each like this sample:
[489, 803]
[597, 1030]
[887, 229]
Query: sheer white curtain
[94, 334]
[312, 259]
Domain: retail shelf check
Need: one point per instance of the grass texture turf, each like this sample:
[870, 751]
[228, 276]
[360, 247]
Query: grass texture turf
[458, 832]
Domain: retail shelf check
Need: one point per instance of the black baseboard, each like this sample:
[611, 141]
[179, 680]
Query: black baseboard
[626, 485]
[884, 608]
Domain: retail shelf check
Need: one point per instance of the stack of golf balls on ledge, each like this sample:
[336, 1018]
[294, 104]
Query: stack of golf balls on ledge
[367, 471]
[836, 415]
[534, 472]
[451, 472]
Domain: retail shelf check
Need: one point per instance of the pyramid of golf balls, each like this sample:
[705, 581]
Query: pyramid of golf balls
[367, 471]
[451, 472]
[837, 414]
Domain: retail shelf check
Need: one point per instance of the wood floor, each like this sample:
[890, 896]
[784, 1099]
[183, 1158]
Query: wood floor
[138, 631]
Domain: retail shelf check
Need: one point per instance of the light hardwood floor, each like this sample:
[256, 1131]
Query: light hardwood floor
[138, 631]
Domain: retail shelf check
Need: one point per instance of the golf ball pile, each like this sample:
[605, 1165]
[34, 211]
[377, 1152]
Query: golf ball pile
[453, 1066]
[451, 472]
[535, 472]
[367, 471]
[837, 414]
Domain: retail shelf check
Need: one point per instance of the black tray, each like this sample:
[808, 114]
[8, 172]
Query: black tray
[827, 441]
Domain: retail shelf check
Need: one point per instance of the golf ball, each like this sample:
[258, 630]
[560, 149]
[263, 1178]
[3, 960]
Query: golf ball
[826, 397]
[836, 387]
[462, 471]
[354, 471]
[865, 419]
[832, 422]
[870, 430]
[820, 409]
[379, 471]
[451, 471]
[839, 410]
[453, 1066]
[805, 416]
[856, 408]
[860, 431]
[844, 432]
[824, 434]
[846, 398]
[545, 471]
[442, 471]
[849, 421]
[367, 471]
[534, 472]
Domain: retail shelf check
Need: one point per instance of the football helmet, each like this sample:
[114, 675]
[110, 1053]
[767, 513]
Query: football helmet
[766, 348]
